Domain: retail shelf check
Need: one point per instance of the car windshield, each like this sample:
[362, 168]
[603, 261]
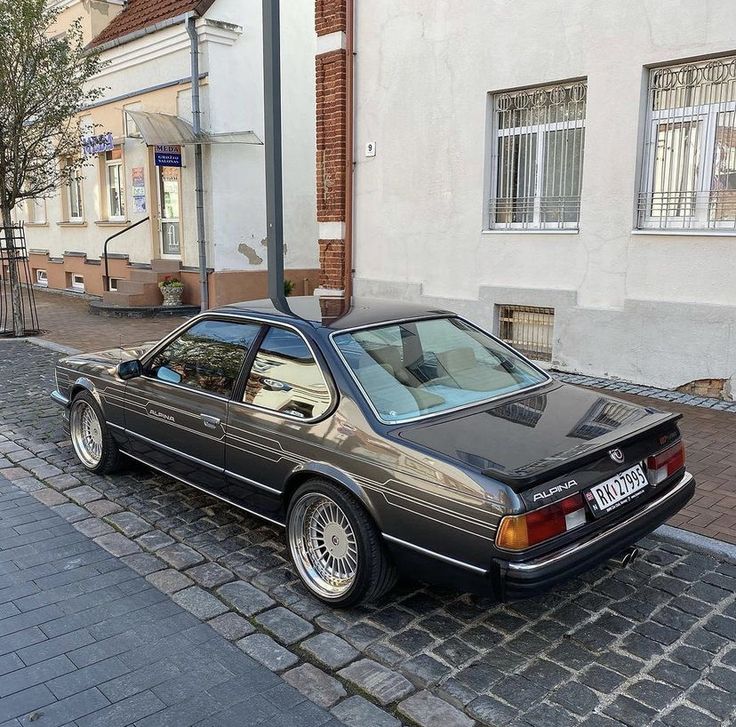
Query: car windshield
[423, 367]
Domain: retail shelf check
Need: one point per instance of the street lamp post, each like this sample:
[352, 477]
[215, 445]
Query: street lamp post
[272, 117]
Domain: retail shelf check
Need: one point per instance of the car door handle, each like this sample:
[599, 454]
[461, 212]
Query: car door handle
[209, 422]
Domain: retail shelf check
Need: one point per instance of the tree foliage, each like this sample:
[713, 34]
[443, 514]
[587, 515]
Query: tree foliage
[45, 81]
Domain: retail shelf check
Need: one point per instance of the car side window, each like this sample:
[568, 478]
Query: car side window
[285, 377]
[208, 356]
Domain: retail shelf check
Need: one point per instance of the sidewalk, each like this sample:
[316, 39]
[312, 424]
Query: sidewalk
[66, 320]
[86, 641]
[710, 434]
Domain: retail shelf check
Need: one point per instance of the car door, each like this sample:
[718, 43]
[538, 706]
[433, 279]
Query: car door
[276, 419]
[176, 411]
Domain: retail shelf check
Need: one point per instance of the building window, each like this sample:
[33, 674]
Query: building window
[688, 179]
[114, 183]
[75, 196]
[537, 157]
[36, 211]
[76, 281]
[113, 285]
[528, 329]
[41, 277]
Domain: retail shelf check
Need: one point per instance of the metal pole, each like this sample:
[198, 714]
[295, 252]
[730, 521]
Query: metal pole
[272, 118]
[198, 164]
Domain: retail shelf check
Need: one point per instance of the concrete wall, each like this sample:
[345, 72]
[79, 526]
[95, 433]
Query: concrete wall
[657, 309]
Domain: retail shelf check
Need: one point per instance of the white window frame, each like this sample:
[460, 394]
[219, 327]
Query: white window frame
[42, 278]
[539, 131]
[75, 181]
[705, 116]
[113, 285]
[77, 280]
[111, 164]
[32, 208]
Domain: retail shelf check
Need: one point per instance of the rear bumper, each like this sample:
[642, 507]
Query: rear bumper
[527, 578]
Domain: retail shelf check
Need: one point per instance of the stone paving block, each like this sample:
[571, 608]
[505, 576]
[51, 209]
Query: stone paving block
[179, 556]
[488, 710]
[117, 544]
[101, 508]
[128, 523]
[630, 712]
[286, 626]
[316, 685]
[199, 602]
[70, 512]
[426, 710]
[244, 598]
[359, 712]
[381, 683]
[210, 575]
[82, 495]
[683, 715]
[265, 650]
[92, 527]
[49, 496]
[169, 580]
[232, 626]
[424, 670]
[330, 650]
[143, 563]
[154, 540]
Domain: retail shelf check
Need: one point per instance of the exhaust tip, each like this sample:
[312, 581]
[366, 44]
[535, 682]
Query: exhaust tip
[626, 557]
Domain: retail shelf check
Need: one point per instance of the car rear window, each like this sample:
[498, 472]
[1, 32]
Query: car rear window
[415, 368]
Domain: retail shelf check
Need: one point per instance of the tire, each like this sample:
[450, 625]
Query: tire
[347, 534]
[93, 444]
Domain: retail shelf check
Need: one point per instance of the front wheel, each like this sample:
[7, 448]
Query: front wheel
[336, 548]
[93, 444]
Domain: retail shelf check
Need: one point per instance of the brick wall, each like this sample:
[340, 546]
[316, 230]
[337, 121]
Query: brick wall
[331, 75]
[329, 16]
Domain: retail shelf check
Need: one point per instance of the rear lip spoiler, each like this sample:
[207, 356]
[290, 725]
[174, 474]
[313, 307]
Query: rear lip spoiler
[518, 483]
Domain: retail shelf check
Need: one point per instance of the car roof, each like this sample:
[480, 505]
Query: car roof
[333, 313]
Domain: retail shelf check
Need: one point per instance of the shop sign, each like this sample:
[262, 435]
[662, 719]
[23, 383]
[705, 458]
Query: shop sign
[97, 144]
[168, 156]
[138, 189]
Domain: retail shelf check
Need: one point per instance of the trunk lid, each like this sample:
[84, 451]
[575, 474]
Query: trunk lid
[549, 443]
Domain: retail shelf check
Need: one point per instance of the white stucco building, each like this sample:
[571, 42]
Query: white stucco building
[575, 157]
[147, 50]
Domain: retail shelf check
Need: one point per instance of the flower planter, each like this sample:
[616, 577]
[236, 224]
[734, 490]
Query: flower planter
[172, 294]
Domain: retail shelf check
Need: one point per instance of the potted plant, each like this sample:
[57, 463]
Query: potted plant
[172, 290]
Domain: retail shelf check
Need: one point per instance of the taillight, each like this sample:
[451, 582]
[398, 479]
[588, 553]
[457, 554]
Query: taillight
[520, 531]
[666, 463]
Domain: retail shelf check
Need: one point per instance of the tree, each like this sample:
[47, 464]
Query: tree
[45, 80]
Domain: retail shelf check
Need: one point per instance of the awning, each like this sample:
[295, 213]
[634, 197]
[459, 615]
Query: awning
[166, 130]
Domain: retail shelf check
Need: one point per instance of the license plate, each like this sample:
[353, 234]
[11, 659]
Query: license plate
[616, 491]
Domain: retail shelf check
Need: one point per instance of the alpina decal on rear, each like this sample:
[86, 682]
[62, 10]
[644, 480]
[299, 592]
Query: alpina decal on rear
[554, 490]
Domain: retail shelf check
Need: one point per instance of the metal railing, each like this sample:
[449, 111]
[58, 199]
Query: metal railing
[107, 242]
[528, 329]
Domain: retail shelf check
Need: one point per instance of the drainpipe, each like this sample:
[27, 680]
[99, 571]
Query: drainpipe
[349, 133]
[204, 296]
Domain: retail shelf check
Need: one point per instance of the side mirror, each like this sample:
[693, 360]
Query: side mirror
[130, 369]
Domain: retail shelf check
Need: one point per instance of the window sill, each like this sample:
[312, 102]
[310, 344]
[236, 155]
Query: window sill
[112, 223]
[67, 223]
[530, 231]
[36, 224]
[685, 233]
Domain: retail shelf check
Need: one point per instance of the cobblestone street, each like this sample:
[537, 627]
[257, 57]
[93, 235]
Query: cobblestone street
[649, 645]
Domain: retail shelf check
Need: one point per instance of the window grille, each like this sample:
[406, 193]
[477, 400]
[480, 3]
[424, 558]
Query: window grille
[528, 329]
[688, 179]
[537, 157]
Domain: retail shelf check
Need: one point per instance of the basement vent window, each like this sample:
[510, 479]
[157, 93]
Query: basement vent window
[42, 278]
[76, 282]
[528, 329]
[114, 285]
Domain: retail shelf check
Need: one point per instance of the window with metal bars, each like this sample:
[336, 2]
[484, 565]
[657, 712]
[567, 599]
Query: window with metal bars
[528, 329]
[688, 178]
[537, 157]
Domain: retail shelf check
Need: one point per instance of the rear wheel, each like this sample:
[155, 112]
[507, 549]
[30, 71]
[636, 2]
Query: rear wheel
[93, 444]
[336, 548]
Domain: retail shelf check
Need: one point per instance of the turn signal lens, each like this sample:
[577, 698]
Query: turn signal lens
[666, 463]
[520, 531]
